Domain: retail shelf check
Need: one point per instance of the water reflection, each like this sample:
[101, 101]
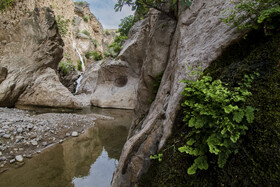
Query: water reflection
[88, 160]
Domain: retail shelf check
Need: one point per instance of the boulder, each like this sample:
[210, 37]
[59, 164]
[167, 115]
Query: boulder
[46, 90]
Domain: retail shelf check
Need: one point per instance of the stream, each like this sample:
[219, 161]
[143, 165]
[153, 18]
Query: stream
[87, 160]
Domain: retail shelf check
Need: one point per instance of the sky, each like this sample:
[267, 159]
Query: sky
[105, 13]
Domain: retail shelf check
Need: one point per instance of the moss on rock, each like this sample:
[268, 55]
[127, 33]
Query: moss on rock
[258, 160]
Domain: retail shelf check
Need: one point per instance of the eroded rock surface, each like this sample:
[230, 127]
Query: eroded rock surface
[190, 47]
[31, 44]
[46, 90]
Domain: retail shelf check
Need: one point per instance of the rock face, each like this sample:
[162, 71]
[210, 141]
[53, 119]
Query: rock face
[87, 30]
[114, 82]
[31, 44]
[190, 47]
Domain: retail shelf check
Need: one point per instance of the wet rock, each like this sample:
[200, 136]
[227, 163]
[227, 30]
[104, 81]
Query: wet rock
[75, 134]
[19, 158]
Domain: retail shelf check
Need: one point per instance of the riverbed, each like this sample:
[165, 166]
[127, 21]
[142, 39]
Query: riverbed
[87, 160]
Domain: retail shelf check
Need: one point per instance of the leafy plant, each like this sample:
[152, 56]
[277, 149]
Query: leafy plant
[253, 14]
[62, 25]
[5, 4]
[106, 32]
[217, 119]
[142, 6]
[86, 33]
[115, 48]
[125, 25]
[86, 18]
[79, 65]
[158, 157]
[81, 3]
[66, 67]
[96, 55]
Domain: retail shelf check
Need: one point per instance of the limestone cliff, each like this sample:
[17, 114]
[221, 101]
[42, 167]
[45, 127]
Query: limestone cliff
[35, 35]
[200, 37]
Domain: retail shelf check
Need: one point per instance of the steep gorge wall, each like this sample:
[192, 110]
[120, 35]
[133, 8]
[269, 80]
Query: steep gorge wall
[31, 48]
[200, 37]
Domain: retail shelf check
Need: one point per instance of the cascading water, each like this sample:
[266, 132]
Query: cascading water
[83, 69]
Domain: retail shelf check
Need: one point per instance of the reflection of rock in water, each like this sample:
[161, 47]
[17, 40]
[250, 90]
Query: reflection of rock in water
[113, 138]
[60, 164]
[81, 152]
[44, 170]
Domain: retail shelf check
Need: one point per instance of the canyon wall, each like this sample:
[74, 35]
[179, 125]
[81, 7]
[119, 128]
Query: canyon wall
[35, 35]
[199, 38]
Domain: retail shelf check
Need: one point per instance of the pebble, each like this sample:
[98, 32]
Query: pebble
[29, 126]
[12, 161]
[19, 158]
[44, 143]
[60, 141]
[0, 153]
[33, 136]
[19, 137]
[19, 130]
[7, 136]
[33, 142]
[75, 134]
[3, 158]
[67, 134]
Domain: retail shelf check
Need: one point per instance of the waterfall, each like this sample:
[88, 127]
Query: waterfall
[78, 83]
[83, 69]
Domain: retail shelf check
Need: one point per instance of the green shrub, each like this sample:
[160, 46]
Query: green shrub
[86, 33]
[66, 67]
[115, 48]
[79, 65]
[95, 54]
[5, 4]
[81, 3]
[217, 118]
[62, 25]
[86, 18]
[254, 14]
[125, 25]
[106, 32]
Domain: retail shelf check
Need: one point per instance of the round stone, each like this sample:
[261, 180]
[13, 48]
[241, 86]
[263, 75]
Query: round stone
[75, 134]
[19, 158]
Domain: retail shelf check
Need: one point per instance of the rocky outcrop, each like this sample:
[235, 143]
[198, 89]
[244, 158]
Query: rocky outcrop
[46, 90]
[109, 84]
[114, 82]
[87, 30]
[190, 47]
[32, 43]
